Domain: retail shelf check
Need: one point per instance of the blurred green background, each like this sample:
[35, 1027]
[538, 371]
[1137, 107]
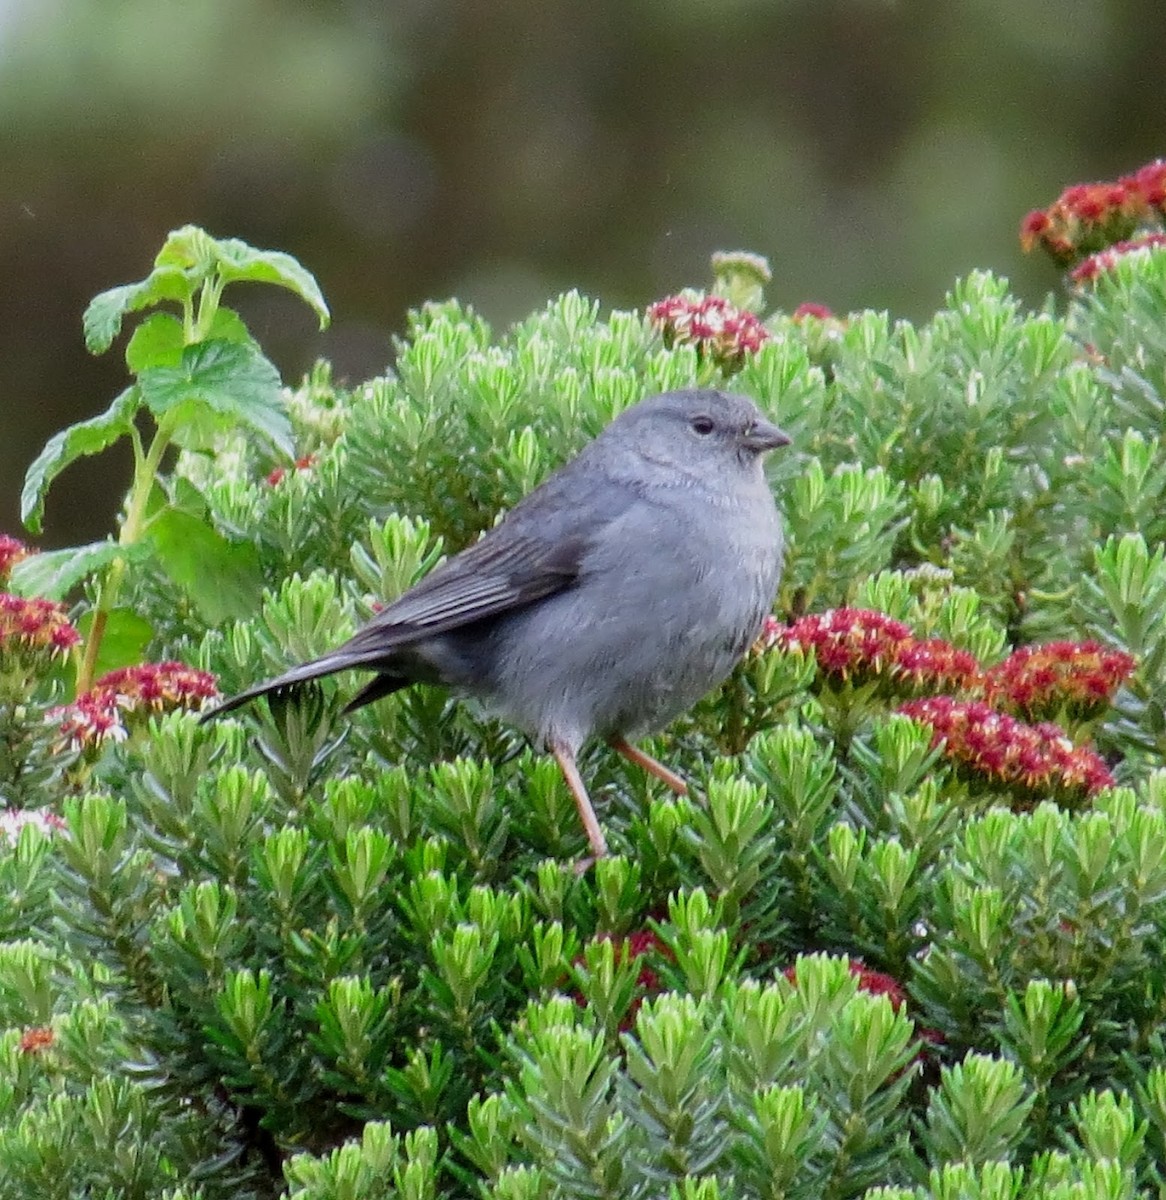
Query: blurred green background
[502, 151]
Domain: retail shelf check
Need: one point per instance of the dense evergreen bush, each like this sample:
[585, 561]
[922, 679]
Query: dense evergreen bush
[904, 939]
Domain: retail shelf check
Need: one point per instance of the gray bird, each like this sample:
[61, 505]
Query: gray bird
[608, 601]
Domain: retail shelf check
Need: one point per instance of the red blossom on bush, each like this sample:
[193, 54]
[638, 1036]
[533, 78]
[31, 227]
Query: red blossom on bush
[1008, 753]
[90, 721]
[934, 665]
[808, 308]
[1089, 217]
[12, 551]
[1148, 183]
[36, 1039]
[99, 715]
[858, 644]
[771, 630]
[1079, 678]
[847, 642]
[304, 463]
[1104, 260]
[35, 625]
[158, 687]
[719, 330]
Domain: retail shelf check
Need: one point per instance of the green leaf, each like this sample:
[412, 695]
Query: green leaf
[222, 578]
[198, 255]
[157, 342]
[103, 317]
[55, 573]
[189, 249]
[228, 326]
[160, 339]
[239, 262]
[215, 387]
[124, 642]
[86, 437]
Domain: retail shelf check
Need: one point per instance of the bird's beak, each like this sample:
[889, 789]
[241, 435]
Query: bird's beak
[764, 435]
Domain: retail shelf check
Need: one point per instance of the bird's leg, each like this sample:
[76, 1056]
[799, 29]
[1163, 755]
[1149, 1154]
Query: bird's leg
[632, 754]
[565, 757]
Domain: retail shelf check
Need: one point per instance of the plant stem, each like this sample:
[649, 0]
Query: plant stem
[145, 471]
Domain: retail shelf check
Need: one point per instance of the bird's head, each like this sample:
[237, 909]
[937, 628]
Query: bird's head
[698, 431]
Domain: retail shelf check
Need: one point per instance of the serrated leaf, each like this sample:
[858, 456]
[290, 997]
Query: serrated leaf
[160, 339]
[227, 326]
[240, 262]
[189, 249]
[55, 573]
[215, 387]
[222, 578]
[157, 342]
[86, 437]
[124, 642]
[104, 314]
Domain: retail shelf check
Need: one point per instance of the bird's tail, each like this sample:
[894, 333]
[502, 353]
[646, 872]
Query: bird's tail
[318, 668]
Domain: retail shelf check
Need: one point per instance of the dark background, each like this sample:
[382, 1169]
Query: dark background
[503, 151]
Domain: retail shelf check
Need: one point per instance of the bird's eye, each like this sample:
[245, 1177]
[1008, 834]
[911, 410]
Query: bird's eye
[702, 425]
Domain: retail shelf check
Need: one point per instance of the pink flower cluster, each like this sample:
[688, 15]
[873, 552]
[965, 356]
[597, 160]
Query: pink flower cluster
[1092, 216]
[1079, 678]
[721, 332]
[98, 715]
[12, 551]
[1089, 269]
[859, 644]
[1011, 754]
[35, 625]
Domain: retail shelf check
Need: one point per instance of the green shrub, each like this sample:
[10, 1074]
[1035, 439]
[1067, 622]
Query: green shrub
[315, 955]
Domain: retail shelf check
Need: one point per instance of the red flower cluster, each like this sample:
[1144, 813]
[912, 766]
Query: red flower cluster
[847, 641]
[720, 331]
[855, 644]
[90, 721]
[35, 1039]
[934, 664]
[97, 716]
[809, 309]
[158, 687]
[1033, 758]
[1091, 216]
[304, 463]
[12, 551]
[35, 624]
[1041, 681]
[1104, 260]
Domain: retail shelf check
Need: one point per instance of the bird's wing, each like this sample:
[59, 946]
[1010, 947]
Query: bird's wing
[537, 551]
[499, 573]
